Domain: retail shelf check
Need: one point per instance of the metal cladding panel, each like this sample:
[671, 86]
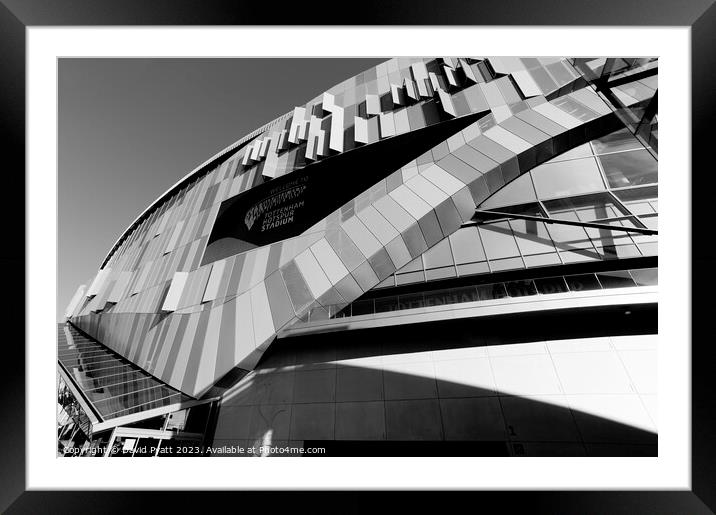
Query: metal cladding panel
[372, 104]
[411, 89]
[264, 329]
[312, 272]
[361, 130]
[120, 286]
[98, 282]
[212, 286]
[387, 125]
[226, 313]
[75, 300]
[526, 83]
[171, 302]
[329, 261]
[397, 95]
[336, 140]
[296, 123]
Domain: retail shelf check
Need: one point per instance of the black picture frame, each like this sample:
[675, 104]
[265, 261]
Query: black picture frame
[17, 15]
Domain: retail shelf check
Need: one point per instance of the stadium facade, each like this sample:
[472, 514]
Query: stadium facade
[436, 256]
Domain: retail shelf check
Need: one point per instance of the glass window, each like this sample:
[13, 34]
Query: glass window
[551, 285]
[412, 301]
[440, 273]
[586, 207]
[386, 304]
[520, 288]
[577, 256]
[627, 222]
[466, 245]
[645, 277]
[651, 222]
[341, 312]
[466, 294]
[473, 268]
[649, 249]
[506, 264]
[532, 237]
[499, 241]
[616, 141]
[415, 264]
[439, 255]
[598, 211]
[542, 259]
[386, 283]
[491, 291]
[605, 237]
[640, 208]
[577, 152]
[531, 209]
[566, 178]
[632, 194]
[619, 251]
[629, 168]
[410, 277]
[619, 279]
[442, 297]
[568, 237]
[362, 307]
[518, 191]
[582, 282]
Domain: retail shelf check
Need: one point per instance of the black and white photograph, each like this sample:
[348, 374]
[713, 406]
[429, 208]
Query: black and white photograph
[404, 256]
[423, 248]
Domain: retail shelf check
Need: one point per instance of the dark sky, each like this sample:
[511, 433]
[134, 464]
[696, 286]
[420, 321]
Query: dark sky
[128, 129]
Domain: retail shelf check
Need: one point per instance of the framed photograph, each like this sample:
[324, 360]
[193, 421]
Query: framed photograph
[312, 240]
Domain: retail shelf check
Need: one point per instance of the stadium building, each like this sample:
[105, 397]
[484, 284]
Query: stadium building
[438, 256]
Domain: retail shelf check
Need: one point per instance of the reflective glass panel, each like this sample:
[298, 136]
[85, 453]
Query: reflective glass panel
[619, 251]
[629, 168]
[568, 237]
[520, 288]
[466, 245]
[413, 301]
[615, 142]
[586, 207]
[516, 192]
[646, 276]
[506, 264]
[410, 277]
[386, 304]
[619, 279]
[362, 307]
[415, 264]
[567, 178]
[110, 383]
[582, 282]
[473, 268]
[491, 291]
[439, 255]
[551, 285]
[386, 283]
[634, 194]
[499, 241]
[577, 152]
[440, 273]
[532, 237]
